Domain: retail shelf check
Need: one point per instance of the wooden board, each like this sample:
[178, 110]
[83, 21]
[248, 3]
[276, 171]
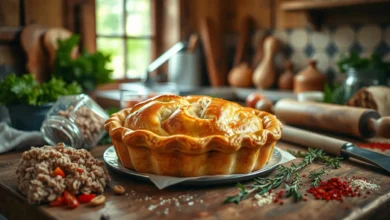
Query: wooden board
[44, 12]
[9, 13]
[207, 201]
[325, 4]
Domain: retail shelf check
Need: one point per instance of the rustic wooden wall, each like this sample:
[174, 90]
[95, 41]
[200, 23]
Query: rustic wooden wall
[75, 15]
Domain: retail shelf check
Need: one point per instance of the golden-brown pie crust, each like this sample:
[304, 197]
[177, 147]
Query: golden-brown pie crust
[193, 136]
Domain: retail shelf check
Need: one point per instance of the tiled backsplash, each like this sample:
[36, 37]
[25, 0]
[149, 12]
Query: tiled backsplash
[327, 45]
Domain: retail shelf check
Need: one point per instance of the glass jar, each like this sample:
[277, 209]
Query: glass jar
[357, 79]
[76, 121]
[133, 93]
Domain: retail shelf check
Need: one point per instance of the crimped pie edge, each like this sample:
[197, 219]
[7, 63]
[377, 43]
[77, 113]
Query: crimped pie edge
[186, 144]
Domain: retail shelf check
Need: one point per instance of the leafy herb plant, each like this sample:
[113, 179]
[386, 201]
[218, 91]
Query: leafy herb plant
[359, 63]
[15, 90]
[264, 185]
[88, 69]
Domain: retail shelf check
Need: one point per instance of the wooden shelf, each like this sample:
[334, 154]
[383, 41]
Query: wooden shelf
[318, 10]
[10, 34]
[326, 4]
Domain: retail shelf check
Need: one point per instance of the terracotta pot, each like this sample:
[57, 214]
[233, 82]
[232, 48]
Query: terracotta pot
[309, 79]
[286, 80]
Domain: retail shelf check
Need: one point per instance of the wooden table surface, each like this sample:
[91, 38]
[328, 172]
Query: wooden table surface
[144, 201]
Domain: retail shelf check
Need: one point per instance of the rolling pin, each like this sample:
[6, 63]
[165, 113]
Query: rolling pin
[353, 121]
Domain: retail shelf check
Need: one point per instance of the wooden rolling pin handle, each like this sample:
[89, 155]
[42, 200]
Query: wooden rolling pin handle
[312, 140]
[380, 126]
[192, 43]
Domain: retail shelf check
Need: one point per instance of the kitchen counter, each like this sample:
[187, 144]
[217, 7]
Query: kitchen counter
[143, 199]
[109, 98]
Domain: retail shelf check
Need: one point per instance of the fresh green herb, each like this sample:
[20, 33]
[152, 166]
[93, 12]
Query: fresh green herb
[333, 162]
[293, 188]
[15, 90]
[263, 185]
[334, 94]
[316, 176]
[356, 62]
[88, 69]
[238, 198]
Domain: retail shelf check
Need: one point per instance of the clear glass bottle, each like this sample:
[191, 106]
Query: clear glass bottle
[357, 79]
[75, 120]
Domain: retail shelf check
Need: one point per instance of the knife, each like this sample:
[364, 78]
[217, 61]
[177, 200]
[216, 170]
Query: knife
[334, 146]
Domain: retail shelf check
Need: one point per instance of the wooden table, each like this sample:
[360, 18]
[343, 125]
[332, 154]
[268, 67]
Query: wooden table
[143, 199]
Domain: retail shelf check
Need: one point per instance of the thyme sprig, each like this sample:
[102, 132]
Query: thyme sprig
[316, 176]
[293, 188]
[284, 173]
[333, 162]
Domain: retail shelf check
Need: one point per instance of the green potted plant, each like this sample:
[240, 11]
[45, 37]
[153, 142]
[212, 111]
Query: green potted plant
[362, 72]
[89, 69]
[28, 102]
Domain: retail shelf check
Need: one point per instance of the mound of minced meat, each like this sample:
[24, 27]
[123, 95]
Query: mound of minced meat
[84, 174]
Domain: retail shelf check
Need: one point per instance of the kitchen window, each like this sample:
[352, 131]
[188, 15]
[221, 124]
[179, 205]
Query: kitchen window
[124, 29]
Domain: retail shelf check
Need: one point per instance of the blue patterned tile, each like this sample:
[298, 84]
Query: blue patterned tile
[382, 49]
[331, 49]
[289, 31]
[309, 29]
[383, 26]
[287, 50]
[309, 50]
[356, 48]
[332, 28]
[356, 27]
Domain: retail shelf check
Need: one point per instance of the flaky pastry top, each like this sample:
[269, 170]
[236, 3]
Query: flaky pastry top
[193, 124]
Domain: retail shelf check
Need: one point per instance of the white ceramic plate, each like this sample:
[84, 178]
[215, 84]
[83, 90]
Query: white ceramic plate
[112, 162]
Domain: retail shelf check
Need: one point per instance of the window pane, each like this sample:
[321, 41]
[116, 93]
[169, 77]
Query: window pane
[109, 17]
[138, 57]
[113, 46]
[138, 18]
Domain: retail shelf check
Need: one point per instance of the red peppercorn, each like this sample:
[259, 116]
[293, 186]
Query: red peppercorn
[281, 203]
[333, 189]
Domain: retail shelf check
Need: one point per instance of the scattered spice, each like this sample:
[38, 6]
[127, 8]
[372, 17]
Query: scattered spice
[264, 199]
[263, 185]
[333, 189]
[361, 184]
[376, 146]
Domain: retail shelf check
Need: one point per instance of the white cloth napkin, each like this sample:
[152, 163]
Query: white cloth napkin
[164, 181]
[11, 139]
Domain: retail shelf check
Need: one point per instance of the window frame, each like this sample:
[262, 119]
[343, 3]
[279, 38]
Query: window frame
[124, 37]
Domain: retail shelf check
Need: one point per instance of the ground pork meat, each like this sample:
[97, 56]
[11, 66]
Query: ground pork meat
[83, 173]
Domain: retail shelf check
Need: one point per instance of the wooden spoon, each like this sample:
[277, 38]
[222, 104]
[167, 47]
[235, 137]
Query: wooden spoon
[215, 56]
